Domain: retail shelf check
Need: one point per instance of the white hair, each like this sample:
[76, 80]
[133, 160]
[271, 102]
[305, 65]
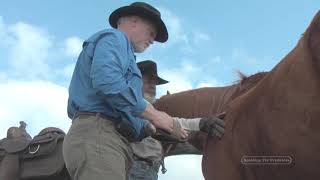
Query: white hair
[124, 19]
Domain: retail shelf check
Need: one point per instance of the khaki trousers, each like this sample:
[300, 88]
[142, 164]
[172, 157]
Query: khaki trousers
[94, 150]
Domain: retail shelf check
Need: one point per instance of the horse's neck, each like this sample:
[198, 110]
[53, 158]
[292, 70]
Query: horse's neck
[294, 79]
[229, 95]
[290, 90]
[197, 103]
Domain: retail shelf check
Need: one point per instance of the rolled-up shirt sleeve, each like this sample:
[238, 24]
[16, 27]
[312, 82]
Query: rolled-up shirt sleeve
[110, 66]
[188, 124]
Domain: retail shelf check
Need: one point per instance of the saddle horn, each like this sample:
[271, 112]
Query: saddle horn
[23, 125]
[17, 132]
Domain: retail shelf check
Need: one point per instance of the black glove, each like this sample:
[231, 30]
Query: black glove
[212, 125]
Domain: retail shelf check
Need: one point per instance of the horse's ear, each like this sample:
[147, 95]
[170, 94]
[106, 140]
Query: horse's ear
[242, 76]
[314, 37]
[168, 93]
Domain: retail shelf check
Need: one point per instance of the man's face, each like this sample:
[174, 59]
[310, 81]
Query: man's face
[144, 34]
[149, 86]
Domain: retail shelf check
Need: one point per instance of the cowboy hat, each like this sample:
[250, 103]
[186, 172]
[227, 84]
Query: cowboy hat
[143, 10]
[149, 67]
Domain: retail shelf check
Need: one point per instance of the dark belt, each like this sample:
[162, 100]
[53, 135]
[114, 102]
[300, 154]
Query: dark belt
[89, 114]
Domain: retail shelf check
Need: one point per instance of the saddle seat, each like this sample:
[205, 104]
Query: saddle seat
[17, 139]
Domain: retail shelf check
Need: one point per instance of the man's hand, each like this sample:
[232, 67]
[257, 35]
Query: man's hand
[158, 118]
[178, 134]
[163, 121]
[149, 129]
[212, 125]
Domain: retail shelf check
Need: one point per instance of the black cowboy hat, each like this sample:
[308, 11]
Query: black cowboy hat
[143, 10]
[149, 67]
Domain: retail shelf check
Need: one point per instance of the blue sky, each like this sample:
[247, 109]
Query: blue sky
[208, 42]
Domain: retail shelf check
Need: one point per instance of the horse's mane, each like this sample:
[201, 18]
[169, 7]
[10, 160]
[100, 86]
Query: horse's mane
[247, 82]
[252, 78]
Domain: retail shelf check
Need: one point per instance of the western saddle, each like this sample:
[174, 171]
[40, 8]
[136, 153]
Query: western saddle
[40, 158]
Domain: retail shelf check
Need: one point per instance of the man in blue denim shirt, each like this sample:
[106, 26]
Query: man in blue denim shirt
[105, 96]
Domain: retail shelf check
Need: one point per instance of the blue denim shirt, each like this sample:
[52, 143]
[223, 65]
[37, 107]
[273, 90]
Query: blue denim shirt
[106, 79]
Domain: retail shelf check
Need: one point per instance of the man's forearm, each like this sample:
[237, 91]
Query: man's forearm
[149, 113]
[189, 124]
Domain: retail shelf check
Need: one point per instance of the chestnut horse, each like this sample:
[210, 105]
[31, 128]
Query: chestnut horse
[272, 129]
[204, 102]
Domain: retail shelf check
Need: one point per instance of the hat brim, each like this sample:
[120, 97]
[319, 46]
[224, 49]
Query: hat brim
[162, 33]
[161, 81]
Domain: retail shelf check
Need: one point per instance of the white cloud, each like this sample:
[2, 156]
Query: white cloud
[3, 76]
[199, 37]
[207, 84]
[40, 104]
[2, 26]
[73, 46]
[187, 76]
[189, 68]
[242, 54]
[186, 167]
[174, 26]
[216, 59]
[181, 32]
[29, 52]
[248, 63]
[68, 70]
[3, 30]
[5, 39]
[177, 83]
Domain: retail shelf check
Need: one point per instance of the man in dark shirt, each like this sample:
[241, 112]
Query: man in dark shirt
[149, 153]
